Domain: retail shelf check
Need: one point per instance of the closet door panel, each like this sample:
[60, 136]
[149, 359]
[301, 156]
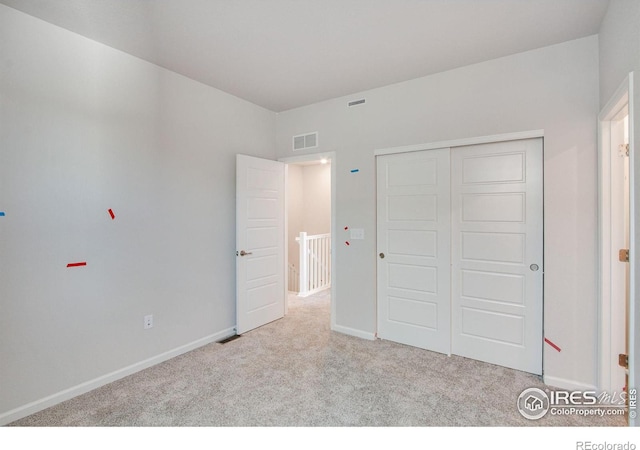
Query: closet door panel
[496, 253]
[413, 249]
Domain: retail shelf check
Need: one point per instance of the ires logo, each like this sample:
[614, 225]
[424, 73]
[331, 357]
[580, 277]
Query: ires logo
[587, 398]
[534, 403]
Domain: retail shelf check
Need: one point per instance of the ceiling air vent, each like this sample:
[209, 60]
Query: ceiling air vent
[357, 102]
[305, 141]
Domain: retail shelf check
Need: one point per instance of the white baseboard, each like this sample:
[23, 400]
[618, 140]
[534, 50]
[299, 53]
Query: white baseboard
[47, 402]
[353, 332]
[570, 385]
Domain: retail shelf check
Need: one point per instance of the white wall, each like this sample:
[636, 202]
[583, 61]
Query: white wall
[295, 211]
[619, 55]
[619, 39]
[317, 198]
[555, 89]
[85, 128]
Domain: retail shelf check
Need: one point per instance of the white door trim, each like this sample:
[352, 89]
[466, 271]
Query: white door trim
[462, 142]
[622, 96]
[331, 156]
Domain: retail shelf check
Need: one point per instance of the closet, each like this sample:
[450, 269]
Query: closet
[460, 251]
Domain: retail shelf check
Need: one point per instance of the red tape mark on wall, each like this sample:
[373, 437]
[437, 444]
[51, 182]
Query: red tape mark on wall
[77, 264]
[113, 216]
[552, 344]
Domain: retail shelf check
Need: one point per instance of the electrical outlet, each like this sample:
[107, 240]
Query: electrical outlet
[148, 321]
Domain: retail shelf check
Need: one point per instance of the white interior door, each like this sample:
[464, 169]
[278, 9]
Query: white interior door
[260, 263]
[497, 253]
[413, 245]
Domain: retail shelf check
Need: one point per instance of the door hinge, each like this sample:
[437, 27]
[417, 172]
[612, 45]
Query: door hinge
[623, 255]
[623, 360]
[623, 150]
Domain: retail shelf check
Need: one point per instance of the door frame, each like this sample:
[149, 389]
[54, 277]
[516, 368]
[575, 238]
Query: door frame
[330, 156]
[623, 96]
[462, 142]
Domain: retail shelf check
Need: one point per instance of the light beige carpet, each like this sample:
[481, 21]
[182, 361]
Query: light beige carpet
[296, 372]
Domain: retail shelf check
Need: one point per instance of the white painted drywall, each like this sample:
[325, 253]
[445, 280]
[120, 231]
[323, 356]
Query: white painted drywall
[619, 47]
[295, 212]
[619, 55]
[317, 198]
[83, 129]
[554, 89]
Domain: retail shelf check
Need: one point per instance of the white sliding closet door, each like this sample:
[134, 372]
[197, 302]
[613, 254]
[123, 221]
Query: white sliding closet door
[413, 249]
[460, 247]
[497, 247]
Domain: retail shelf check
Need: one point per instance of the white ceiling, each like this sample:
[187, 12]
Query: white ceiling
[282, 54]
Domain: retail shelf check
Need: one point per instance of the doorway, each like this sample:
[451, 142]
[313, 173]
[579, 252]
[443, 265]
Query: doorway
[616, 239]
[261, 244]
[310, 227]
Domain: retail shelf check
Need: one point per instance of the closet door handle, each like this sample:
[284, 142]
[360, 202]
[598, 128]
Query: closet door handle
[381, 255]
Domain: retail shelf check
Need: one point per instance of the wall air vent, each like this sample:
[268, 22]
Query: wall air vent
[357, 102]
[305, 141]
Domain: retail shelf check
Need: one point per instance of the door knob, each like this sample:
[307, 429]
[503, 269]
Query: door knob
[534, 267]
[382, 255]
[243, 253]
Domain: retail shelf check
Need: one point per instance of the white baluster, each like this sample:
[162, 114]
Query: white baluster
[304, 265]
